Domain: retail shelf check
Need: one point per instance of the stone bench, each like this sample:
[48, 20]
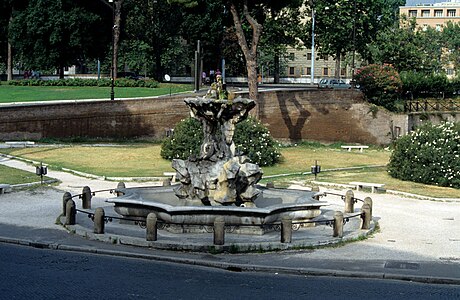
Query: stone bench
[355, 147]
[171, 174]
[5, 188]
[373, 186]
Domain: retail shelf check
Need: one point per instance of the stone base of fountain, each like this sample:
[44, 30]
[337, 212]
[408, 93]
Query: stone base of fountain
[185, 216]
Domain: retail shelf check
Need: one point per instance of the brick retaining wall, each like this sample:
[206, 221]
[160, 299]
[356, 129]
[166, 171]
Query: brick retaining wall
[323, 115]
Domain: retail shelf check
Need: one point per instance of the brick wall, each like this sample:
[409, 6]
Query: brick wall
[323, 115]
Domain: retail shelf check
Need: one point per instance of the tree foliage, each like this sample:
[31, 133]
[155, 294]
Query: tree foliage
[54, 34]
[346, 25]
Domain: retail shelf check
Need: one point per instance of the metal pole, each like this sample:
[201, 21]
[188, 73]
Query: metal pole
[354, 45]
[112, 79]
[312, 46]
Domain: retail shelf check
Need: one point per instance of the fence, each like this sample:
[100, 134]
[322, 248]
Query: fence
[430, 105]
[219, 227]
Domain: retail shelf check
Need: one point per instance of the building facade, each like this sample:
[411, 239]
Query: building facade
[433, 15]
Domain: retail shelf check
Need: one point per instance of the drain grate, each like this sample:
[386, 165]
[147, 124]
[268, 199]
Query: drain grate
[401, 265]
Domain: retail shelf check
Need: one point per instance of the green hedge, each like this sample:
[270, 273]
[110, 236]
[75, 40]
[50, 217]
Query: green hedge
[251, 139]
[419, 85]
[104, 82]
[430, 155]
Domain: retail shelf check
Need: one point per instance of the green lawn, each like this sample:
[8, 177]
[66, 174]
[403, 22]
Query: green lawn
[10, 93]
[144, 160]
[15, 176]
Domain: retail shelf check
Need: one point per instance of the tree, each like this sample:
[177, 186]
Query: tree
[280, 31]
[149, 34]
[451, 41]
[251, 15]
[55, 34]
[349, 25]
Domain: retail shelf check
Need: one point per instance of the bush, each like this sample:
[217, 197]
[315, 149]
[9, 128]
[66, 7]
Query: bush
[103, 82]
[418, 85]
[429, 155]
[251, 139]
[380, 84]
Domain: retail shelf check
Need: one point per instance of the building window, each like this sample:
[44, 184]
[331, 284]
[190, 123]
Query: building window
[438, 27]
[343, 72]
[323, 57]
[451, 13]
[291, 56]
[438, 12]
[424, 27]
[325, 71]
[291, 71]
[308, 56]
[425, 13]
[308, 71]
[450, 72]
[413, 13]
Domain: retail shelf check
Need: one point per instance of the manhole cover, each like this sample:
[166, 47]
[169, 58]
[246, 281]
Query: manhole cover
[401, 265]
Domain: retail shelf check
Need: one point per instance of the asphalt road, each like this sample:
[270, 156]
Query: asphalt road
[49, 274]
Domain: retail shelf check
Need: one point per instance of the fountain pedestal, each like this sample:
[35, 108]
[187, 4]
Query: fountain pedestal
[218, 176]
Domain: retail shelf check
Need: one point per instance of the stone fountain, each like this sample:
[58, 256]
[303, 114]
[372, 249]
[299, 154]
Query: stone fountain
[218, 182]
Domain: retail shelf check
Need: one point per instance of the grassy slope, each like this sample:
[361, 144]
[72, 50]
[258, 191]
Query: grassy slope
[9, 93]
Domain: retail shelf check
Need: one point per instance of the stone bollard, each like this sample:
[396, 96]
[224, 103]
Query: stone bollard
[86, 197]
[315, 189]
[338, 224]
[71, 213]
[99, 220]
[151, 227]
[286, 229]
[166, 182]
[66, 197]
[368, 201]
[270, 185]
[366, 216]
[120, 185]
[219, 231]
[349, 202]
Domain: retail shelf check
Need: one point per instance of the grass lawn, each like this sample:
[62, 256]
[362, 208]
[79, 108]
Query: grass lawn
[144, 160]
[10, 93]
[15, 176]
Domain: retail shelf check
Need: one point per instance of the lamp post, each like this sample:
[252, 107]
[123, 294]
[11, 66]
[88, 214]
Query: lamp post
[112, 75]
[312, 72]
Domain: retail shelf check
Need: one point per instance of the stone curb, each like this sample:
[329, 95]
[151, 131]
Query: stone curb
[235, 266]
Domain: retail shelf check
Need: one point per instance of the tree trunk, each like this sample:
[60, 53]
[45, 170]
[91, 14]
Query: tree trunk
[337, 65]
[277, 68]
[250, 52]
[9, 67]
[61, 72]
[9, 64]
[116, 35]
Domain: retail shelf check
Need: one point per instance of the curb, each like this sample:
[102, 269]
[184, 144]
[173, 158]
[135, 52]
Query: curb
[236, 267]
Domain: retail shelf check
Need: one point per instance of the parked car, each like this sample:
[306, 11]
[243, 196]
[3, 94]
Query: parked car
[333, 83]
[129, 75]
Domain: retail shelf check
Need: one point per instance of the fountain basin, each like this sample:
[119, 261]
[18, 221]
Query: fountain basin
[270, 207]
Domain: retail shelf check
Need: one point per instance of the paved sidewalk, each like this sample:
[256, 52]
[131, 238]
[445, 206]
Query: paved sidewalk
[419, 240]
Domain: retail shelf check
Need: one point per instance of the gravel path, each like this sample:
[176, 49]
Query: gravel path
[410, 229]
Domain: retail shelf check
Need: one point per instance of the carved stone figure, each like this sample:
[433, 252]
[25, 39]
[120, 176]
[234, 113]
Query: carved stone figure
[217, 176]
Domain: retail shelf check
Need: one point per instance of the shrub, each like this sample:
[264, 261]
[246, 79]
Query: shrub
[418, 85]
[251, 139]
[380, 84]
[185, 141]
[430, 155]
[103, 82]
